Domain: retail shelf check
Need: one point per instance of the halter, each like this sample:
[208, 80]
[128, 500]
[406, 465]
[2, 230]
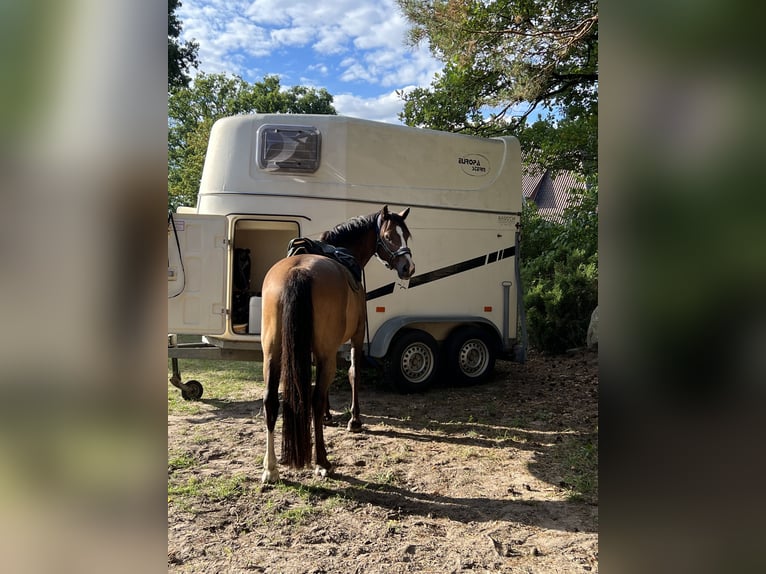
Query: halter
[391, 254]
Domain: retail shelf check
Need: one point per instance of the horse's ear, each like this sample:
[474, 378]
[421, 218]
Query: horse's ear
[385, 211]
[405, 213]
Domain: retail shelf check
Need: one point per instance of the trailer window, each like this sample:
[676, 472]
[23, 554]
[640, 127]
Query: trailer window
[288, 148]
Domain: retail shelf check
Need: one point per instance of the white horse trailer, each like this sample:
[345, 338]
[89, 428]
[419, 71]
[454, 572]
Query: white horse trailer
[270, 178]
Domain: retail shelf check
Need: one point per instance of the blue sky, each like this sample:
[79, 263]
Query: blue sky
[356, 49]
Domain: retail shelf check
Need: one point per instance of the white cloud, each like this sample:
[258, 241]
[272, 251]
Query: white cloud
[355, 71]
[299, 36]
[321, 68]
[390, 68]
[225, 37]
[331, 40]
[356, 47]
[384, 108]
[388, 31]
[268, 12]
[418, 68]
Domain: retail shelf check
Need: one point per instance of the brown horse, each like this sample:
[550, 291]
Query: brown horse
[312, 303]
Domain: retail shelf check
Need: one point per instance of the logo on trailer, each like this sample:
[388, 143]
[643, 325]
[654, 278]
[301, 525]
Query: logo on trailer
[474, 164]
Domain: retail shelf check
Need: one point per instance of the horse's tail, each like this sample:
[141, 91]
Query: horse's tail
[297, 333]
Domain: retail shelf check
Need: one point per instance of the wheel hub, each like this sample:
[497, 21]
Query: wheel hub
[473, 357]
[417, 363]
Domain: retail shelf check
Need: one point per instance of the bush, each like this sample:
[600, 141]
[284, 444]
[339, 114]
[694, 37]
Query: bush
[559, 270]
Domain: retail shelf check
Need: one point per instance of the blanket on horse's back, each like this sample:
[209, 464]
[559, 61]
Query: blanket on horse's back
[301, 245]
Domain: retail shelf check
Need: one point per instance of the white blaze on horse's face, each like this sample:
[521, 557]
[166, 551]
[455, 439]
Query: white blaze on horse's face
[397, 252]
[406, 269]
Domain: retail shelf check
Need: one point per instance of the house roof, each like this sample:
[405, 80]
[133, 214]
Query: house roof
[551, 191]
[530, 181]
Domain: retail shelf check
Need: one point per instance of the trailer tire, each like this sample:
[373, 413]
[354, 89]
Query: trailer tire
[411, 363]
[470, 354]
[194, 392]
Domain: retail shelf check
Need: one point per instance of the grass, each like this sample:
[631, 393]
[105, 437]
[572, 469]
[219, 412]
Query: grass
[396, 458]
[469, 452]
[509, 438]
[381, 479]
[393, 527]
[200, 438]
[297, 514]
[229, 381]
[581, 475]
[222, 382]
[180, 461]
[212, 489]
[297, 503]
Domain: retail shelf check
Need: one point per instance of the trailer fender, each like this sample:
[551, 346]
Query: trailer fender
[383, 337]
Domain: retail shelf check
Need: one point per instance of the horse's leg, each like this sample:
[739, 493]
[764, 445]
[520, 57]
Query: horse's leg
[355, 424]
[271, 375]
[327, 414]
[325, 373]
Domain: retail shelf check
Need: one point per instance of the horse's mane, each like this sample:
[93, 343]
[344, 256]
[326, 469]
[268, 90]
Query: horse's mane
[349, 231]
[354, 229]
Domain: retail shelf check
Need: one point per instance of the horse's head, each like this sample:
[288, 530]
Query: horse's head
[392, 240]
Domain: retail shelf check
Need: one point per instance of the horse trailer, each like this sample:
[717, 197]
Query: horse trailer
[270, 178]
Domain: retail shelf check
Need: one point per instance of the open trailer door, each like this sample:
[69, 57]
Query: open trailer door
[197, 257]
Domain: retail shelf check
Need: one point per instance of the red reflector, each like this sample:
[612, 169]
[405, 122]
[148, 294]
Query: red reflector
[380, 309]
[488, 309]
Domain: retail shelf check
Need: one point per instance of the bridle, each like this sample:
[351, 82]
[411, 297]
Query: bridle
[388, 262]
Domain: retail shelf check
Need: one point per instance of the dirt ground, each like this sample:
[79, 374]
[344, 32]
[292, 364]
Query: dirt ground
[499, 477]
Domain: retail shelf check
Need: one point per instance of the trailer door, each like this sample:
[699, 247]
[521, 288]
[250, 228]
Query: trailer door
[197, 257]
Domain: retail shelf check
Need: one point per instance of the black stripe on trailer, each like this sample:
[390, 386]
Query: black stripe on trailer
[447, 271]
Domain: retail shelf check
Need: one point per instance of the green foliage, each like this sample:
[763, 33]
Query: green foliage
[451, 104]
[565, 143]
[505, 59]
[181, 56]
[193, 110]
[534, 51]
[560, 273]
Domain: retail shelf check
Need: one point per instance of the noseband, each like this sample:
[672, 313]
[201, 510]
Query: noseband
[391, 254]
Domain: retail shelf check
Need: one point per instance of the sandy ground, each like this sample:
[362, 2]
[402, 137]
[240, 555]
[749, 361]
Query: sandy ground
[499, 477]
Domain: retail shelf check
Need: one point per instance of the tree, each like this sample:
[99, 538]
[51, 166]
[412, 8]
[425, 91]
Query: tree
[559, 271]
[569, 142]
[505, 59]
[181, 56]
[193, 110]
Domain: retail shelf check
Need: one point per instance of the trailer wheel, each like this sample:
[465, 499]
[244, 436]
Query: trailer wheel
[411, 361]
[193, 392]
[470, 355]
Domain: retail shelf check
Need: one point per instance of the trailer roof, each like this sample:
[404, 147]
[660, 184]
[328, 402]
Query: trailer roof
[362, 159]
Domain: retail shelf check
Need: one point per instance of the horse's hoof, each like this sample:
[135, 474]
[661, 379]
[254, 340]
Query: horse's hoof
[270, 476]
[354, 426]
[321, 472]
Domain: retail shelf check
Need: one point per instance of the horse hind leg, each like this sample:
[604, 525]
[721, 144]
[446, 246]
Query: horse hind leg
[325, 373]
[355, 424]
[327, 418]
[271, 374]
